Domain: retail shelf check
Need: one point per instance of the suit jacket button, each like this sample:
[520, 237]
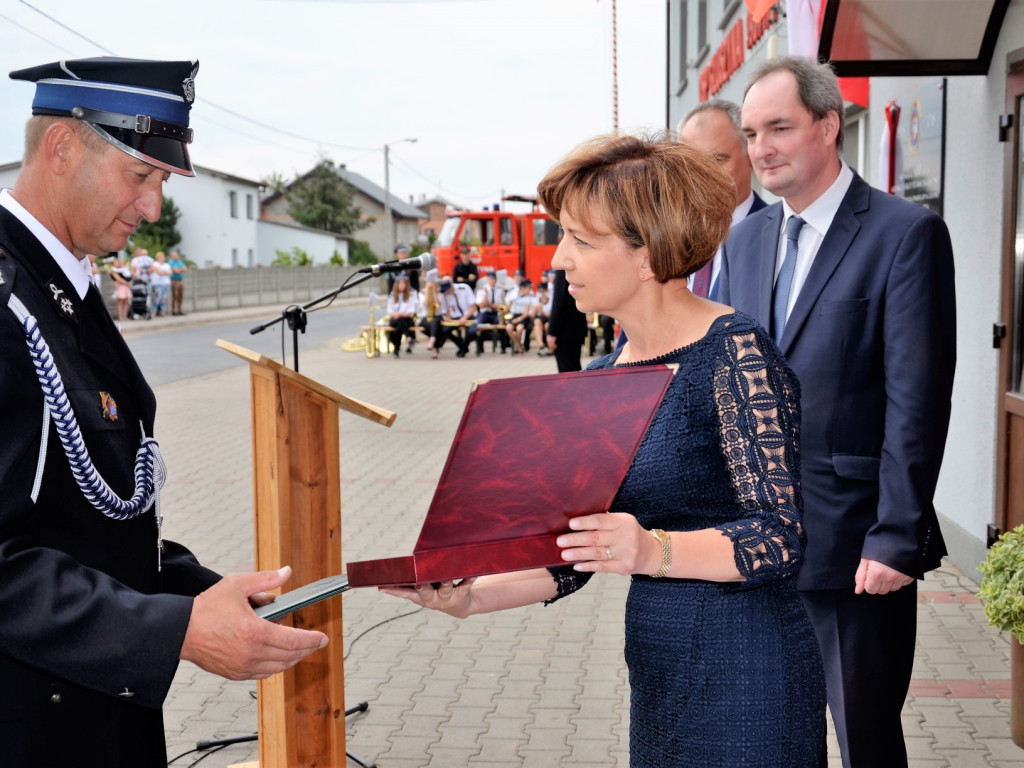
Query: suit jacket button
[55, 699]
[126, 694]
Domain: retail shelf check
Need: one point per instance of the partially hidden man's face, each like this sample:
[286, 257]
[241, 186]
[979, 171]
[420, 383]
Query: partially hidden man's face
[105, 196]
[713, 132]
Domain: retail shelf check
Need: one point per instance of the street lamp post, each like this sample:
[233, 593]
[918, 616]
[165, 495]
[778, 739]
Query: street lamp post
[389, 246]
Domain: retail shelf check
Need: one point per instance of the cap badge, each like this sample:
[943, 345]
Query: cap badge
[188, 86]
[63, 301]
[108, 405]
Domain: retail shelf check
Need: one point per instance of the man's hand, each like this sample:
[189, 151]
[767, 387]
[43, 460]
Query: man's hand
[877, 578]
[227, 638]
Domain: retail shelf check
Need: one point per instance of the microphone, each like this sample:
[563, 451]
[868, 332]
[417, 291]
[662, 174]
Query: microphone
[423, 261]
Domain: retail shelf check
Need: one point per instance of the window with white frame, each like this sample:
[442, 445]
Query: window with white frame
[855, 141]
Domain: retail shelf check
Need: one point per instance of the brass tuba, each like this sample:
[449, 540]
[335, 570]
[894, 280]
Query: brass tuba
[431, 301]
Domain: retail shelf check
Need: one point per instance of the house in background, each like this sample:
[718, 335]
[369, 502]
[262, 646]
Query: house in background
[436, 209]
[220, 222]
[218, 218]
[369, 198]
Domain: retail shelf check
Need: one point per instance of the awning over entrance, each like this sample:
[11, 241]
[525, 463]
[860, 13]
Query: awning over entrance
[871, 38]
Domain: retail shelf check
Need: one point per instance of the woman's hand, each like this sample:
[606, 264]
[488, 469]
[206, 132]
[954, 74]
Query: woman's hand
[611, 542]
[453, 598]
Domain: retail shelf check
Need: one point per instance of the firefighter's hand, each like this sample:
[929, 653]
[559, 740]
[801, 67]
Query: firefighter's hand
[224, 636]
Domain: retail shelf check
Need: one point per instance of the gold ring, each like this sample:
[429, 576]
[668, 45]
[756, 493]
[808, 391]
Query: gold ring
[608, 552]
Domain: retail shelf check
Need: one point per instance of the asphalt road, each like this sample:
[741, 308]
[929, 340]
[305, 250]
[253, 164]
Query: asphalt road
[167, 354]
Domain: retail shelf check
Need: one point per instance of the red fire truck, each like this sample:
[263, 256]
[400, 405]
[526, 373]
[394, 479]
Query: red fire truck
[499, 239]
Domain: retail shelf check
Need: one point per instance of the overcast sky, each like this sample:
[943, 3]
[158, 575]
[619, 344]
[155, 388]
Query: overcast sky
[494, 91]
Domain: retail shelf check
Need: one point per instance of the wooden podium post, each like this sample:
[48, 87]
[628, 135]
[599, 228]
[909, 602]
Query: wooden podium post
[297, 522]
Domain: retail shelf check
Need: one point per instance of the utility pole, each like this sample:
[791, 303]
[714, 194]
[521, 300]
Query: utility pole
[615, 72]
[389, 233]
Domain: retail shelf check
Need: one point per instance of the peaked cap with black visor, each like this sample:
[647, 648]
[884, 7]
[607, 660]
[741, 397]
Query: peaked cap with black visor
[138, 105]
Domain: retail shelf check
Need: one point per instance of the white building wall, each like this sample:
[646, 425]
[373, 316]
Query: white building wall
[211, 237]
[275, 236]
[973, 210]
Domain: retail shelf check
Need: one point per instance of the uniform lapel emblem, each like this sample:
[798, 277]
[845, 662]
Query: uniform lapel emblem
[108, 406]
[62, 301]
[3, 280]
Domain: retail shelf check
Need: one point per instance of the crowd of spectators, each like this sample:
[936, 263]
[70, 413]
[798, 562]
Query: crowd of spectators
[146, 285]
[484, 305]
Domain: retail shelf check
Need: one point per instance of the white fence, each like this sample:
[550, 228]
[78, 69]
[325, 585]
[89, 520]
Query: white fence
[224, 288]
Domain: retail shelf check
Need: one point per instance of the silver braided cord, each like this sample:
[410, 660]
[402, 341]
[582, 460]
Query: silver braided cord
[150, 471]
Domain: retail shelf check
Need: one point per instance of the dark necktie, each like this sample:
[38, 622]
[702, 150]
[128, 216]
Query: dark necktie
[784, 282]
[702, 280]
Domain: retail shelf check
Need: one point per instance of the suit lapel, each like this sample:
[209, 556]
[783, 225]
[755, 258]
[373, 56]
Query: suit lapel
[834, 246]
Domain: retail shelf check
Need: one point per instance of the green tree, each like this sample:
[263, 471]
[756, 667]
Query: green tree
[162, 234]
[323, 200]
[359, 252]
[418, 248]
[297, 258]
[276, 183]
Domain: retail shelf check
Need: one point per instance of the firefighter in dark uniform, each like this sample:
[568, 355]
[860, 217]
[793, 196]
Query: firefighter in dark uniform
[96, 610]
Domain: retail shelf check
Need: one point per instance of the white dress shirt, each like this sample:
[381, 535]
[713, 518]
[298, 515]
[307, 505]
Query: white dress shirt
[458, 302]
[817, 219]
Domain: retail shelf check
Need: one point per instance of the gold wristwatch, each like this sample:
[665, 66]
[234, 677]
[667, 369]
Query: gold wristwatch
[666, 553]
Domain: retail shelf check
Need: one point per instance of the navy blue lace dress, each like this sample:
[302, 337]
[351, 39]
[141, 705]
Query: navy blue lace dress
[722, 674]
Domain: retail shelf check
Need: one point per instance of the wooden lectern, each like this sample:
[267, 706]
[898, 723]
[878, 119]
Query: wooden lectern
[297, 522]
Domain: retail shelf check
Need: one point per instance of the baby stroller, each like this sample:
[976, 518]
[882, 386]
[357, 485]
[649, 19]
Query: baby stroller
[140, 299]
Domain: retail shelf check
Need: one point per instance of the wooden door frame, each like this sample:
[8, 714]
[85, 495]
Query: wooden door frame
[1008, 402]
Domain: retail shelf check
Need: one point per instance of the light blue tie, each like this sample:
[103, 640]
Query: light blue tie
[784, 282]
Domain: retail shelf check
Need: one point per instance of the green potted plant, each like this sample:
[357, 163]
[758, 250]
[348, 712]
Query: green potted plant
[1002, 591]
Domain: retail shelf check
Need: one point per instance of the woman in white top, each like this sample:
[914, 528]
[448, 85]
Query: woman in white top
[403, 304]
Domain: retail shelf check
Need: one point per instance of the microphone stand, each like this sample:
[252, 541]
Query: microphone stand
[295, 315]
[202, 746]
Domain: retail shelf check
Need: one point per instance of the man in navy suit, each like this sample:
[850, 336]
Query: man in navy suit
[865, 314]
[714, 127]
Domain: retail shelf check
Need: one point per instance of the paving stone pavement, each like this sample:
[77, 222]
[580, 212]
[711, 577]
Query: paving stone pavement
[537, 687]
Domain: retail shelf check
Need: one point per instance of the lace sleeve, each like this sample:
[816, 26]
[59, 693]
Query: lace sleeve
[567, 581]
[758, 405]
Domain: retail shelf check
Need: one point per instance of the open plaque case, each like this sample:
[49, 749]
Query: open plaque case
[529, 454]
